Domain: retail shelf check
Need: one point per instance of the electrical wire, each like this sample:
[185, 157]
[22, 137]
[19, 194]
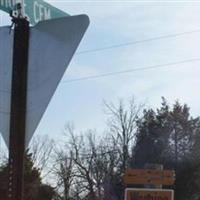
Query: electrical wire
[127, 44]
[130, 70]
[123, 72]
[137, 42]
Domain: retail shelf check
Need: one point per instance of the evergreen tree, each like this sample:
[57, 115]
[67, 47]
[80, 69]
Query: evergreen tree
[34, 189]
[170, 136]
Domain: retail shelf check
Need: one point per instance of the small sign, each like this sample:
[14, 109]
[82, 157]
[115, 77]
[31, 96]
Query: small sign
[148, 194]
[150, 172]
[148, 181]
[7, 5]
[34, 10]
[149, 176]
[39, 10]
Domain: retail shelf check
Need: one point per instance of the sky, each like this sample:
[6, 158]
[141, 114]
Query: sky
[173, 58]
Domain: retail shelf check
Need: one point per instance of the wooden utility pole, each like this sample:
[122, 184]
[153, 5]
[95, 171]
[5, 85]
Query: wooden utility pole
[18, 109]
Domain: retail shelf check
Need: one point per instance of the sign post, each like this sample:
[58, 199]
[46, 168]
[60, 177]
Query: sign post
[18, 109]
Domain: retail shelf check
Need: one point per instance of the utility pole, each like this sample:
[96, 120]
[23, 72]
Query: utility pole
[18, 109]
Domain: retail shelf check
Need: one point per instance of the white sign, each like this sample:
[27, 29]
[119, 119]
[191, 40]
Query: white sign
[148, 194]
[52, 45]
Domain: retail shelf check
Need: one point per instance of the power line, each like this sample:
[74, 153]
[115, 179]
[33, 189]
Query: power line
[128, 1]
[130, 70]
[4, 91]
[127, 44]
[4, 112]
[123, 72]
[122, 45]
[136, 42]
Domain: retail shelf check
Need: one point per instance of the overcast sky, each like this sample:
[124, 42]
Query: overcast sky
[122, 22]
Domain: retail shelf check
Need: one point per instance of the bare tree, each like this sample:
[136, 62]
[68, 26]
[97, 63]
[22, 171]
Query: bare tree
[122, 125]
[64, 172]
[87, 165]
[91, 168]
[83, 159]
[65, 168]
[41, 148]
